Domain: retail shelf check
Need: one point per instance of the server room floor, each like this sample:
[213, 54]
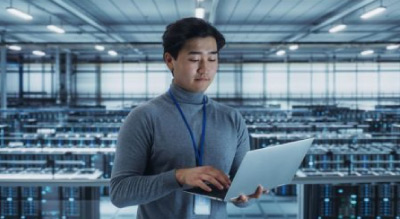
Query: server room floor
[269, 206]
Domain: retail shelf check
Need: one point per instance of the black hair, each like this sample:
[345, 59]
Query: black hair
[177, 33]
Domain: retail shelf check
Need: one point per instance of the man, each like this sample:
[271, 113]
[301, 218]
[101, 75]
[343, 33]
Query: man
[181, 138]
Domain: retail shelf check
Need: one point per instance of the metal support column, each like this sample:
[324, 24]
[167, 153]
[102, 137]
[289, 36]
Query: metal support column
[74, 94]
[43, 78]
[356, 84]
[241, 80]
[327, 84]
[311, 80]
[238, 81]
[21, 79]
[334, 81]
[264, 83]
[378, 72]
[287, 83]
[57, 76]
[217, 80]
[68, 77]
[98, 81]
[122, 79]
[147, 78]
[3, 65]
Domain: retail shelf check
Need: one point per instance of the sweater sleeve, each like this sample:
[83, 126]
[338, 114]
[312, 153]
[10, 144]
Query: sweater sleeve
[243, 144]
[129, 185]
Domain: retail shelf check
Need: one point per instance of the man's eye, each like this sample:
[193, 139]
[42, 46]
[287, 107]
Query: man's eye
[193, 60]
[212, 60]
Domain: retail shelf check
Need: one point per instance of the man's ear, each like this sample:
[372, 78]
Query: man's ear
[168, 60]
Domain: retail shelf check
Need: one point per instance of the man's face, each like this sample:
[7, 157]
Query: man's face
[196, 64]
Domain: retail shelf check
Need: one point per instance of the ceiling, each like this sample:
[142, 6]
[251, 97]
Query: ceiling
[254, 29]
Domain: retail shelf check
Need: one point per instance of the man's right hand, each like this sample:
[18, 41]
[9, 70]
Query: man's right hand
[198, 176]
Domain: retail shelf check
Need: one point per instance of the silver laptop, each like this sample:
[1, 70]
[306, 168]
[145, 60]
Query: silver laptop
[270, 167]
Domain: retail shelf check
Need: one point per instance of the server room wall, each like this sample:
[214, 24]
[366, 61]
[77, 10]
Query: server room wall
[311, 83]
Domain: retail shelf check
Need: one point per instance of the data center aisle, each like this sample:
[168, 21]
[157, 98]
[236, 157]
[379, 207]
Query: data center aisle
[271, 207]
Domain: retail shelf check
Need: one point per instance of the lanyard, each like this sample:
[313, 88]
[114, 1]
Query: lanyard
[198, 152]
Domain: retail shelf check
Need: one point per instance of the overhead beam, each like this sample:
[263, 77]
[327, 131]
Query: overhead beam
[349, 8]
[388, 38]
[85, 17]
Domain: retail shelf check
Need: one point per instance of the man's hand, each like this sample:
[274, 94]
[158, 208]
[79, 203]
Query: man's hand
[198, 176]
[245, 198]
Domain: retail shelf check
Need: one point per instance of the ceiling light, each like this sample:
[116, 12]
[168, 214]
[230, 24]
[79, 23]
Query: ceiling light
[337, 28]
[56, 29]
[373, 12]
[293, 47]
[112, 53]
[19, 13]
[199, 13]
[14, 47]
[281, 52]
[99, 47]
[38, 53]
[367, 52]
[392, 46]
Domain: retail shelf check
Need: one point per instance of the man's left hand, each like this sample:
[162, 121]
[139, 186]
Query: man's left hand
[245, 198]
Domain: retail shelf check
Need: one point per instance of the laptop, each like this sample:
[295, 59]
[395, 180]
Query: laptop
[270, 167]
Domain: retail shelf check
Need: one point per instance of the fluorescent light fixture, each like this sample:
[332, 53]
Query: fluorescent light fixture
[38, 53]
[367, 52]
[392, 46]
[112, 53]
[19, 13]
[99, 47]
[14, 47]
[373, 12]
[200, 12]
[281, 52]
[56, 29]
[337, 28]
[293, 47]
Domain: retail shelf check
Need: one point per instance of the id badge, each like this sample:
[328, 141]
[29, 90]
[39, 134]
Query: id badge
[202, 205]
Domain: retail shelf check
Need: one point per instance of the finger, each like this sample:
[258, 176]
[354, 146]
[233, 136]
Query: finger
[239, 199]
[212, 180]
[243, 198]
[203, 186]
[219, 175]
[257, 193]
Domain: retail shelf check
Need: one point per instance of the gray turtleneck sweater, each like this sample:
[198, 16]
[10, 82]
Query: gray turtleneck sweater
[153, 142]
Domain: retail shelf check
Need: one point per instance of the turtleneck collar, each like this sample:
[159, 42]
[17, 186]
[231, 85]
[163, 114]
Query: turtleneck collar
[184, 96]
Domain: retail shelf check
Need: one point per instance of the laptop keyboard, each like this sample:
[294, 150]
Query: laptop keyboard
[214, 193]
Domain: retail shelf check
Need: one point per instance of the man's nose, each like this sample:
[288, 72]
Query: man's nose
[203, 67]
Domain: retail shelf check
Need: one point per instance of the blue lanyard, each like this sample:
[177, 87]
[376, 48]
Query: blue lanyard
[198, 152]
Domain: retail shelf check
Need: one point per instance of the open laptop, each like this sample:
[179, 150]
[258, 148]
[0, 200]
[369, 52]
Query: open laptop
[270, 167]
